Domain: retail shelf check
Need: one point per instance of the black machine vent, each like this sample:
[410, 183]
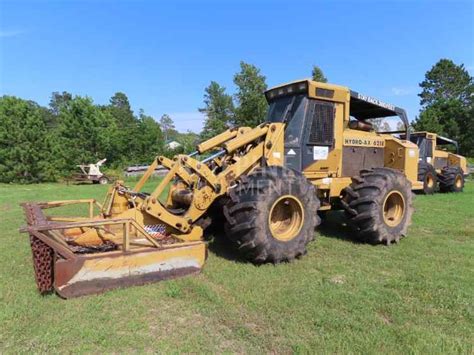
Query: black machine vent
[325, 93]
[322, 124]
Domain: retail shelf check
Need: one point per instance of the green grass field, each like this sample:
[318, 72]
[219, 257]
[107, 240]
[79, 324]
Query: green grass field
[417, 296]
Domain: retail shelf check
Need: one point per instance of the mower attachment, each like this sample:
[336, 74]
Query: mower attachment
[77, 257]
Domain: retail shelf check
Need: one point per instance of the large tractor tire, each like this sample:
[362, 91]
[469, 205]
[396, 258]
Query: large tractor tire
[427, 174]
[451, 179]
[271, 215]
[379, 205]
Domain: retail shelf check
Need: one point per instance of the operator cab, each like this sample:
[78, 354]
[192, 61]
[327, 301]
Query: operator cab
[308, 109]
[424, 143]
[428, 142]
[309, 121]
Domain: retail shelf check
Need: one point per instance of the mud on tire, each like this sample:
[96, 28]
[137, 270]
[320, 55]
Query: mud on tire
[252, 203]
[379, 205]
[451, 179]
[427, 174]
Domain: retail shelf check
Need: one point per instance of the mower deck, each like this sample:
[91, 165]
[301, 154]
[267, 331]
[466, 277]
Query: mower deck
[128, 256]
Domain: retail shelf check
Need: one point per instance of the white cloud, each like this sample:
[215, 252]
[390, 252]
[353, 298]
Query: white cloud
[12, 33]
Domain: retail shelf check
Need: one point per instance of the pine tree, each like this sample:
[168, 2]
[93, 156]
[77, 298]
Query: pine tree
[318, 75]
[447, 99]
[252, 105]
[167, 127]
[121, 109]
[151, 143]
[25, 142]
[86, 133]
[218, 110]
[127, 127]
[59, 100]
[446, 81]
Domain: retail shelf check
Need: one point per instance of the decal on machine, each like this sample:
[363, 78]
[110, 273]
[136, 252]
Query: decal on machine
[375, 101]
[320, 153]
[364, 142]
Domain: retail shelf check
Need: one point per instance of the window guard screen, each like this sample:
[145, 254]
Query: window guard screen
[322, 123]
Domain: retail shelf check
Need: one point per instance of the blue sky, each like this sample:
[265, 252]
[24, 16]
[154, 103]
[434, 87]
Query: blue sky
[163, 54]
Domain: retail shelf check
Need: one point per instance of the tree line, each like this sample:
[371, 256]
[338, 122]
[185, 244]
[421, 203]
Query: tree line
[46, 143]
[40, 143]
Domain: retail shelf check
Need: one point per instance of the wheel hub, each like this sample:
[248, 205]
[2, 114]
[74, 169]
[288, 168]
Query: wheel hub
[430, 181]
[286, 218]
[458, 182]
[393, 208]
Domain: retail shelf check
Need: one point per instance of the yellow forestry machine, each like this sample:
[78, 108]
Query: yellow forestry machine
[439, 168]
[317, 151]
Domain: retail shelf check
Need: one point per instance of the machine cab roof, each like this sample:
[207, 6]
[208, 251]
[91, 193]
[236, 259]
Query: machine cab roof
[361, 107]
[417, 137]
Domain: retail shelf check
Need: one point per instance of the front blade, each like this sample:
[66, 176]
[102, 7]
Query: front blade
[96, 273]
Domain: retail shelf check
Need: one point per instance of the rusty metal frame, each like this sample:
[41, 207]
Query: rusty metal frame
[54, 204]
[50, 227]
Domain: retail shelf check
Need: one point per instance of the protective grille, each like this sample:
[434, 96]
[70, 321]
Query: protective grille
[322, 125]
[324, 92]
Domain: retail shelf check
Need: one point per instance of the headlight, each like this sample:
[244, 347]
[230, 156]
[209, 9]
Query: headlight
[292, 89]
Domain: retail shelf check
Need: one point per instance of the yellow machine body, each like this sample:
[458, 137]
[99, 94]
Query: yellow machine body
[351, 148]
[439, 151]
